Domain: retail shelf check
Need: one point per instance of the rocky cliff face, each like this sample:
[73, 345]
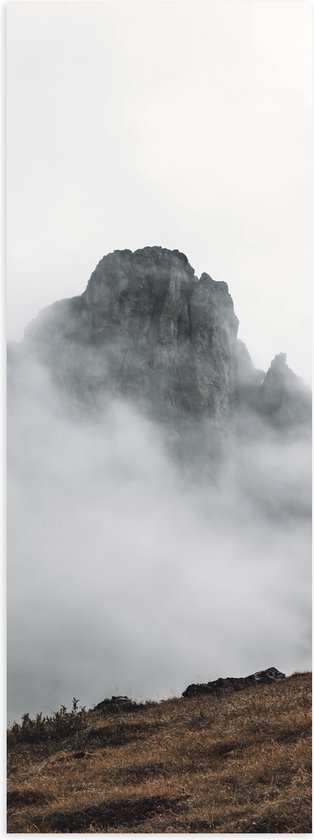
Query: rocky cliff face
[148, 329]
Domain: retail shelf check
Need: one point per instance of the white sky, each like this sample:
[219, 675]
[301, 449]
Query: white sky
[181, 124]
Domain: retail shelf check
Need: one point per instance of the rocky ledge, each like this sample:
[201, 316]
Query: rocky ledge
[229, 684]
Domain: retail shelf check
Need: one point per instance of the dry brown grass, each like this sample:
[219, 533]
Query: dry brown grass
[239, 763]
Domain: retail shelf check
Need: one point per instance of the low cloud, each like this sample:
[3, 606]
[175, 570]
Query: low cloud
[127, 577]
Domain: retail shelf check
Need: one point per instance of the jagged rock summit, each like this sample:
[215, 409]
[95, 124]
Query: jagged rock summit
[147, 329]
[283, 398]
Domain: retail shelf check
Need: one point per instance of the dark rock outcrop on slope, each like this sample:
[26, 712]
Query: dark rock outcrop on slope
[229, 684]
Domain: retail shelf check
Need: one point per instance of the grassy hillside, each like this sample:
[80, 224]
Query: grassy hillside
[238, 762]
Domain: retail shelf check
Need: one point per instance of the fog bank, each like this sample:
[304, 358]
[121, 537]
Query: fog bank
[127, 578]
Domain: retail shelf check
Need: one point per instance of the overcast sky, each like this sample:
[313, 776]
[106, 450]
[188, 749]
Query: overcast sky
[181, 124]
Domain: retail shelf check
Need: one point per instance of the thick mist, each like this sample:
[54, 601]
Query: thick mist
[125, 576]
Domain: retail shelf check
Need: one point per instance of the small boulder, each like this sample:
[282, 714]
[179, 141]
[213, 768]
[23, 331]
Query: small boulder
[115, 704]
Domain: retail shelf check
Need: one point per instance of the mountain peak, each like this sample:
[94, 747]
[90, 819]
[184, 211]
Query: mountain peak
[147, 329]
[279, 361]
[284, 398]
